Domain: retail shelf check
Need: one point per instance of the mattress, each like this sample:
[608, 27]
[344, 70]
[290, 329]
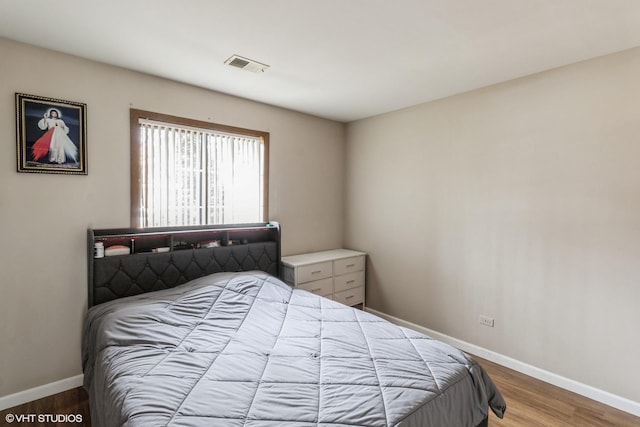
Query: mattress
[245, 349]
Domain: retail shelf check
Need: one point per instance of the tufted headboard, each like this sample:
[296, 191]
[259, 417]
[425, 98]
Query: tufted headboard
[188, 256]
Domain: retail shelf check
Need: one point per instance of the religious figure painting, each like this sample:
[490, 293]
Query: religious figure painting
[51, 135]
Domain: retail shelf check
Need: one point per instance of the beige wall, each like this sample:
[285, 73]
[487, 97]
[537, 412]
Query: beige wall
[43, 218]
[519, 201]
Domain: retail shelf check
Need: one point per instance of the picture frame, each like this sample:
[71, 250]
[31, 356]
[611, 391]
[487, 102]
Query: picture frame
[51, 135]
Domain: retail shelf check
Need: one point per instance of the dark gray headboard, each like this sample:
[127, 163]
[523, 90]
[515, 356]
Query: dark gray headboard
[243, 248]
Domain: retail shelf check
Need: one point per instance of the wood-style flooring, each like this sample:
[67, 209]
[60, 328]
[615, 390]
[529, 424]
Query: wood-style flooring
[70, 402]
[530, 402]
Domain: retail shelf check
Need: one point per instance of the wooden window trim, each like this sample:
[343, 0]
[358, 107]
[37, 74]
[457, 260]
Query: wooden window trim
[135, 115]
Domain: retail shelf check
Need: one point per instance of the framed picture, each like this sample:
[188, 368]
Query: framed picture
[51, 135]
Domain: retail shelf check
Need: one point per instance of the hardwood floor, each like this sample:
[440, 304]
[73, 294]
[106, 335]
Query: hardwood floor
[530, 402]
[73, 403]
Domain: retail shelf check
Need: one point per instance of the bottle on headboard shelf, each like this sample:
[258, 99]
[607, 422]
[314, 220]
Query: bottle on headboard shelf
[98, 250]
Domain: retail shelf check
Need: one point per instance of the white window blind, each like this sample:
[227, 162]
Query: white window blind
[195, 176]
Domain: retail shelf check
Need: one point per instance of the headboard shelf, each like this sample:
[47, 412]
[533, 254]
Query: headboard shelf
[160, 258]
[188, 236]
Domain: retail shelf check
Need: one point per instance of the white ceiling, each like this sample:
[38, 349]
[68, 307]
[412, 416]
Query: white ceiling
[339, 59]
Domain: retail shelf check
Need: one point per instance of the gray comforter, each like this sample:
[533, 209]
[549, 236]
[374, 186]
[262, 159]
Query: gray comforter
[244, 349]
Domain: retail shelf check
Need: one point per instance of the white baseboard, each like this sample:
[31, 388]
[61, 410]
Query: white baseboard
[39, 392]
[593, 393]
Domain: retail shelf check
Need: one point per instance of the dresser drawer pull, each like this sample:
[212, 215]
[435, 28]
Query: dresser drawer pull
[350, 265]
[350, 281]
[316, 290]
[316, 272]
[349, 297]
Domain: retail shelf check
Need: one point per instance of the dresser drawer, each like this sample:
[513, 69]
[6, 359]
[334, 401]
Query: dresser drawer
[348, 281]
[321, 287]
[348, 265]
[322, 270]
[351, 296]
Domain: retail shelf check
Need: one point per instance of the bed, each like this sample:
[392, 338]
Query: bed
[242, 348]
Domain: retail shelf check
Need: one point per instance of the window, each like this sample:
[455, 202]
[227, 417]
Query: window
[187, 172]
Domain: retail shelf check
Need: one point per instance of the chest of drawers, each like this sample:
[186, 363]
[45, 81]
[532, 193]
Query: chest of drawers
[337, 274]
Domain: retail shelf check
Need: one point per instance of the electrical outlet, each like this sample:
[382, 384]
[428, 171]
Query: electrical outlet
[486, 321]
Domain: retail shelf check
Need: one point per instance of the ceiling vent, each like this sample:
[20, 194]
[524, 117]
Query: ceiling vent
[246, 64]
